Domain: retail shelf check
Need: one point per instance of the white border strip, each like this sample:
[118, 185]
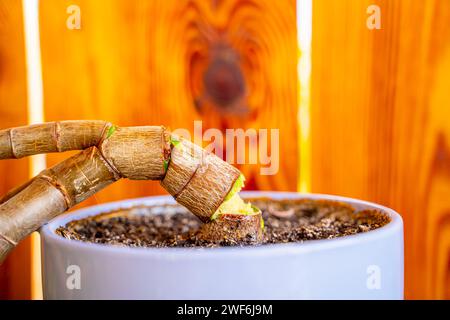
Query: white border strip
[35, 110]
[33, 61]
[304, 38]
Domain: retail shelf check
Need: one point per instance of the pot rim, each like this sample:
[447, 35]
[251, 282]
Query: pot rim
[48, 230]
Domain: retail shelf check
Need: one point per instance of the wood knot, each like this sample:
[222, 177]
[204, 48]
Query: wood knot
[223, 78]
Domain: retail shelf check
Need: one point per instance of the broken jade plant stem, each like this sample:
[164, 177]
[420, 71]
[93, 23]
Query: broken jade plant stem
[200, 181]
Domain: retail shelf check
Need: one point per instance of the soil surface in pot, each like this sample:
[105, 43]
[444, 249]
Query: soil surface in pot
[173, 226]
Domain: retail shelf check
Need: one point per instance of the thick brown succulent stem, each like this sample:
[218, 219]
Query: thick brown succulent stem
[51, 137]
[137, 153]
[27, 211]
[185, 159]
[52, 192]
[234, 229]
[198, 180]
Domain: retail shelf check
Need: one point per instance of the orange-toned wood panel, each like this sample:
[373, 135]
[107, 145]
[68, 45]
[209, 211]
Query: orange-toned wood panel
[15, 276]
[227, 63]
[381, 121]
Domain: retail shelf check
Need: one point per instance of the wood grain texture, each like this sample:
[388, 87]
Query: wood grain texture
[380, 121]
[167, 62]
[15, 276]
[151, 62]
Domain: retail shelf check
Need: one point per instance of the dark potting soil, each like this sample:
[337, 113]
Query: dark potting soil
[173, 226]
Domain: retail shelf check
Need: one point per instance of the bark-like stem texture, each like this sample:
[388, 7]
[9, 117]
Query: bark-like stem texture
[51, 137]
[236, 228]
[137, 153]
[198, 180]
[186, 157]
[52, 192]
[206, 189]
[27, 211]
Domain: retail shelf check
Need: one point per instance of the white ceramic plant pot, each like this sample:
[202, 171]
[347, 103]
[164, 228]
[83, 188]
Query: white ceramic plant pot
[363, 266]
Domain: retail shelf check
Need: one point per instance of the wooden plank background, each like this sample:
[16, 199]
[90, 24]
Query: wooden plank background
[15, 273]
[132, 65]
[380, 121]
[380, 108]
[143, 62]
